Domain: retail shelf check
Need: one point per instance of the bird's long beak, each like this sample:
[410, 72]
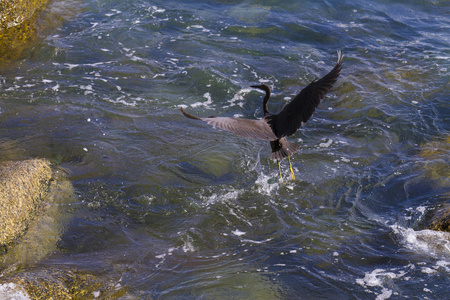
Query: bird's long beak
[259, 87]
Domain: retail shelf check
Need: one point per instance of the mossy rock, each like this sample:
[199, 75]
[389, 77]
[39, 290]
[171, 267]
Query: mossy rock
[44, 231]
[15, 40]
[55, 283]
[438, 219]
[23, 187]
[17, 26]
[15, 12]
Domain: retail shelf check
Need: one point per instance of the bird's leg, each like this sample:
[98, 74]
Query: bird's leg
[279, 170]
[290, 169]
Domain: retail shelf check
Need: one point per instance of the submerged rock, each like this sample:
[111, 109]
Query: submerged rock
[23, 188]
[435, 155]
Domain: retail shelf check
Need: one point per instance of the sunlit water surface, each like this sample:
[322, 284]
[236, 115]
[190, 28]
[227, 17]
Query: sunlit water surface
[169, 207]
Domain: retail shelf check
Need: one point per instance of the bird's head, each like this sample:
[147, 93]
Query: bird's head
[265, 87]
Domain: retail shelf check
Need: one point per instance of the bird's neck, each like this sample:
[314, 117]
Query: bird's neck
[266, 99]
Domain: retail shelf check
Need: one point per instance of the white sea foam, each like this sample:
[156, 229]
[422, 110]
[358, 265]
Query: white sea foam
[428, 270]
[344, 159]
[429, 242]
[380, 281]
[71, 66]
[160, 256]
[381, 277]
[56, 87]
[206, 104]
[385, 294]
[188, 245]
[326, 144]
[237, 232]
[198, 27]
[113, 12]
[421, 209]
[121, 100]
[238, 99]
[255, 242]
[378, 276]
[225, 196]
[426, 242]
[86, 87]
[264, 186]
[10, 291]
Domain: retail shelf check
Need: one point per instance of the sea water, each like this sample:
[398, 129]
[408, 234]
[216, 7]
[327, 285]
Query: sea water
[173, 208]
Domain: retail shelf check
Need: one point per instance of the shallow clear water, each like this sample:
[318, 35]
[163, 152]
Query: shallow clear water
[169, 207]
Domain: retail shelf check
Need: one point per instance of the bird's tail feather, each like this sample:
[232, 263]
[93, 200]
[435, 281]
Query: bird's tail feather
[286, 149]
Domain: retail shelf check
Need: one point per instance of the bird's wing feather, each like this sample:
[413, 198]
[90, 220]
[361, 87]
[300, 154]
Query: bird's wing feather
[255, 129]
[301, 108]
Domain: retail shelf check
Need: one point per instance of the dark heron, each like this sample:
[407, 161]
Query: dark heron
[275, 128]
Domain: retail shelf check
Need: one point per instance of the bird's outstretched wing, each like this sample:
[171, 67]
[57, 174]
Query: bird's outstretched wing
[301, 108]
[248, 128]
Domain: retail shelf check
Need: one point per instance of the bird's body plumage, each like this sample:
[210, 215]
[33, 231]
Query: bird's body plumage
[275, 128]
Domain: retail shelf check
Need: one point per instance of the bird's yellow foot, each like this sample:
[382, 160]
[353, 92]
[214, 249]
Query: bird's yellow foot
[290, 169]
[279, 170]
